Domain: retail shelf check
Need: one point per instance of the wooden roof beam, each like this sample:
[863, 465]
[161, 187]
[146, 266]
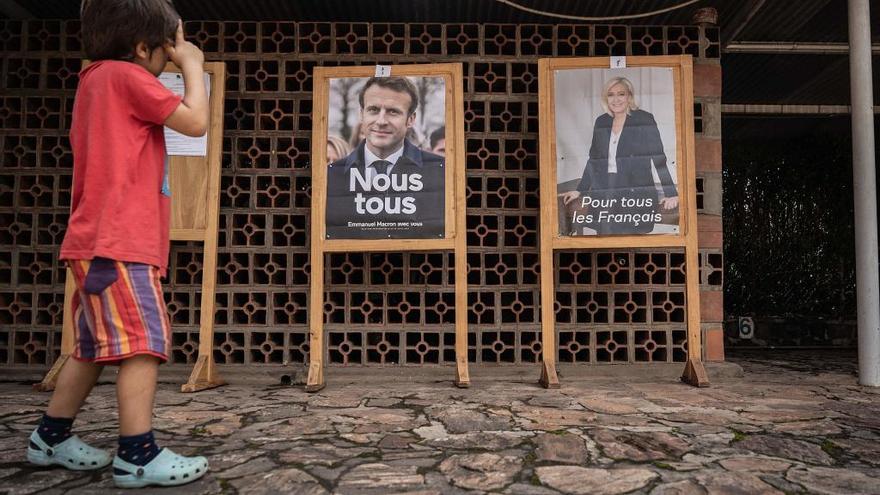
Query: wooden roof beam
[755, 7]
[786, 109]
[784, 47]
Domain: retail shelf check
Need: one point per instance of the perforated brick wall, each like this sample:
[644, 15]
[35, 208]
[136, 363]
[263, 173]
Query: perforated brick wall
[612, 307]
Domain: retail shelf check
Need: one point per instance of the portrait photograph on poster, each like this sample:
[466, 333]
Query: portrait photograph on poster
[616, 151]
[386, 173]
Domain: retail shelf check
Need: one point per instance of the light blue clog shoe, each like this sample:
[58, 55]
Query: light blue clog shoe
[166, 469]
[72, 453]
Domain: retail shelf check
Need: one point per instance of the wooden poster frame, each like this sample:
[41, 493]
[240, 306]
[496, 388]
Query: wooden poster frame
[686, 238]
[455, 226]
[195, 209]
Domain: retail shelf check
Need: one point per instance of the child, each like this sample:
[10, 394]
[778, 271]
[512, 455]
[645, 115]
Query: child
[117, 237]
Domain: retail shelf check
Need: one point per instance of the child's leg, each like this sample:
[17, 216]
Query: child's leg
[135, 391]
[74, 384]
[139, 461]
[52, 442]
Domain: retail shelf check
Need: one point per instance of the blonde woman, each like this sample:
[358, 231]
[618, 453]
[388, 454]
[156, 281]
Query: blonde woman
[336, 148]
[625, 143]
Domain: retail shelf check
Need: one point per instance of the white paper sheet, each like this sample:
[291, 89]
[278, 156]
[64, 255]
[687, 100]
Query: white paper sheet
[176, 143]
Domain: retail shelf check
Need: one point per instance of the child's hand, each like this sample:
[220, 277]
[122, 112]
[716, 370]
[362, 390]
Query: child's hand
[183, 52]
[191, 115]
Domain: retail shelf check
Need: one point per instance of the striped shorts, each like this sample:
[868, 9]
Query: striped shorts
[118, 311]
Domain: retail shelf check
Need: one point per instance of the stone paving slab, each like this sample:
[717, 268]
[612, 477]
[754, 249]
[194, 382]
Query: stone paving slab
[789, 422]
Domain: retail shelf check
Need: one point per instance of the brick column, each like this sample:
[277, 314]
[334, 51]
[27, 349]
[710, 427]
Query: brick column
[707, 98]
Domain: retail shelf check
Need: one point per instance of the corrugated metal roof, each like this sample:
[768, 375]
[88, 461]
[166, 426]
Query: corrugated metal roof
[777, 20]
[804, 20]
[789, 79]
[748, 78]
[389, 10]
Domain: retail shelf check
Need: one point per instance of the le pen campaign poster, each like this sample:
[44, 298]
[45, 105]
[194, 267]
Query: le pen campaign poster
[616, 151]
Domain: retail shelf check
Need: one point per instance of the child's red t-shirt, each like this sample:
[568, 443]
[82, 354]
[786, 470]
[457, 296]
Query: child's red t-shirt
[119, 210]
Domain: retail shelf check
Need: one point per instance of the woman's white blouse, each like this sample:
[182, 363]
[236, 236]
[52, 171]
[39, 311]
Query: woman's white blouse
[612, 153]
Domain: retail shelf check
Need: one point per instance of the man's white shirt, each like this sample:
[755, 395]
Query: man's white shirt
[369, 157]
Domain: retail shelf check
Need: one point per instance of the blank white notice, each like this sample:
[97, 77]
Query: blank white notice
[175, 142]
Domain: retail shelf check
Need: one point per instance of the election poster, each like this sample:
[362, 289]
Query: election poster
[616, 170]
[386, 165]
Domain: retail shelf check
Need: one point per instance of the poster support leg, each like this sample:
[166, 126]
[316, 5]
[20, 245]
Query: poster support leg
[694, 371]
[548, 379]
[462, 377]
[67, 344]
[204, 374]
[51, 378]
[315, 381]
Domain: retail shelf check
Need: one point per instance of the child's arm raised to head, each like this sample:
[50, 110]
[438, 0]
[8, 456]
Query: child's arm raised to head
[191, 116]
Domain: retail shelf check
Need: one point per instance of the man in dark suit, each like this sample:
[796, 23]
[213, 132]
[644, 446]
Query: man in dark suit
[387, 187]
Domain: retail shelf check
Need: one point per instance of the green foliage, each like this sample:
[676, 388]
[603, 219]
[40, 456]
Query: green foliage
[225, 486]
[738, 436]
[535, 480]
[788, 228]
[831, 448]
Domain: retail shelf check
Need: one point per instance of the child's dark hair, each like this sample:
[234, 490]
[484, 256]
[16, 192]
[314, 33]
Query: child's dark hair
[112, 28]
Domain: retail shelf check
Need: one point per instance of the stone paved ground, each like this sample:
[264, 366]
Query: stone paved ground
[793, 423]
